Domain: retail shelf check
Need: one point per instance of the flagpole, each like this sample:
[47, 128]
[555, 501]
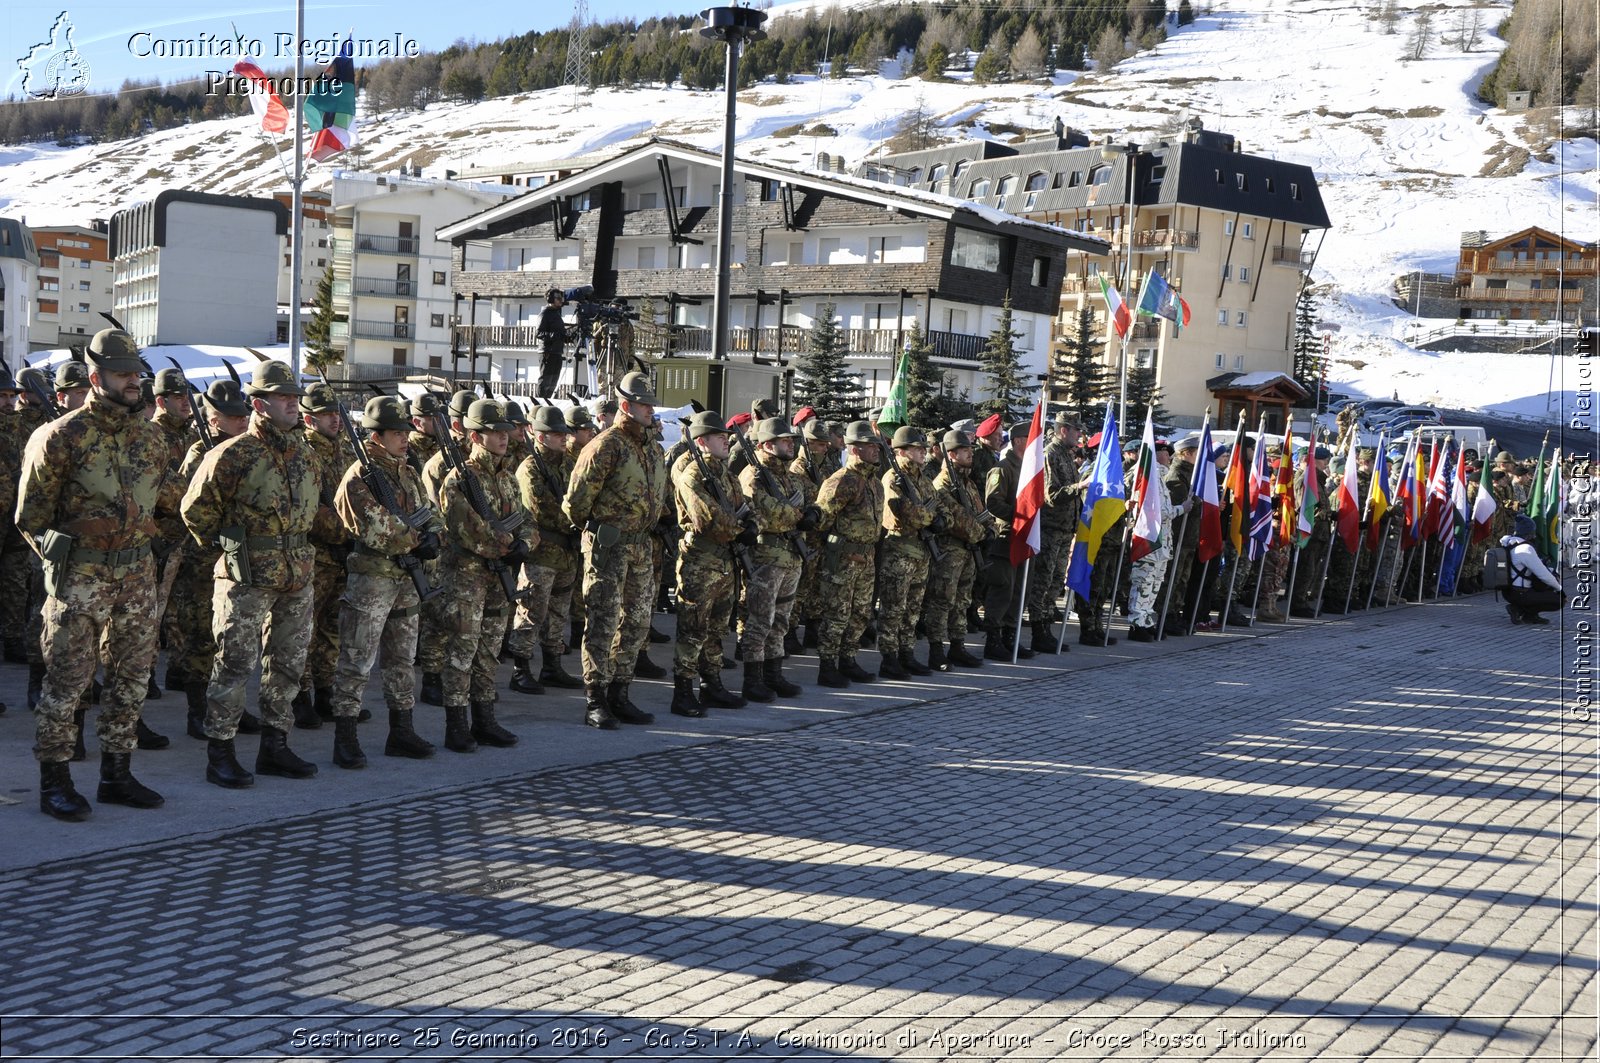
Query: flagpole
[1233, 570]
[1116, 577]
[1410, 463]
[1177, 551]
[296, 189]
[1377, 564]
[1261, 562]
[1016, 638]
[1444, 553]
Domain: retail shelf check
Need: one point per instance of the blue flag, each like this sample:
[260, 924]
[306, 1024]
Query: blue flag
[1103, 503]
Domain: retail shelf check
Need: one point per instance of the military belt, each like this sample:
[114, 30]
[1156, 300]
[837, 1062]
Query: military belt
[287, 541]
[363, 548]
[775, 539]
[115, 558]
[551, 537]
[633, 538]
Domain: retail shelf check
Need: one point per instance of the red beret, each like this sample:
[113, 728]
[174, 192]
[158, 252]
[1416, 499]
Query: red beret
[804, 414]
[738, 419]
[990, 425]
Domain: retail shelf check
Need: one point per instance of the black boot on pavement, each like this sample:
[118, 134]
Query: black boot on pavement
[1044, 640]
[715, 694]
[908, 661]
[223, 768]
[645, 668]
[959, 656]
[623, 708]
[684, 703]
[523, 681]
[755, 683]
[347, 751]
[457, 732]
[119, 787]
[322, 702]
[853, 671]
[149, 739]
[553, 674]
[196, 694]
[152, 689]
[403, 740]
[249, 723]
[274, 757]
[772, 672]
[57, 797]
[937, 661]
[994, 647]
[595, 711]
[891, 668]
[828, 674]
[305, 713]
[487, 730]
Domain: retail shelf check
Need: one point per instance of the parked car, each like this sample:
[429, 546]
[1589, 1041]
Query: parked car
[1404, 418]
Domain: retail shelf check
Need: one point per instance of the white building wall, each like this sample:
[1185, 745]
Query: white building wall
[19, 277]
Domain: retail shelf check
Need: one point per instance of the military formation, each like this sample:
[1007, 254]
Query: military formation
[261, 529]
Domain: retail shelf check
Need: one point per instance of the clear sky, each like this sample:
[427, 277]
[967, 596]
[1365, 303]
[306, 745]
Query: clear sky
[138, 39]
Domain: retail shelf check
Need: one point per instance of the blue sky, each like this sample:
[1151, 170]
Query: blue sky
[121, 40]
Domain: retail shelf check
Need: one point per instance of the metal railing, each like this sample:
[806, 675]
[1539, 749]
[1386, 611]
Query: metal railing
[1165, 239]
[389, 286]
[677, 339]
[1520, 295]
[384, 330]
[378, 245]
[1291, 256]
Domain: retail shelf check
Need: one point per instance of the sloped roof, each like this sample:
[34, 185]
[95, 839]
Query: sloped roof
[16, 241]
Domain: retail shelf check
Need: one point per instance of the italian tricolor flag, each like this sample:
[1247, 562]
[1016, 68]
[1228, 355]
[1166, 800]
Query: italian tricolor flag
[1121, 316]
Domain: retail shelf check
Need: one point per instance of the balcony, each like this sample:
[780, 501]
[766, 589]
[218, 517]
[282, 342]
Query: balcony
[370, 243]
[1291, 256]
[387, 286]
[1165, 240]
[384, 330]
[1521, 295]
[1145, 330]
[1551, 266]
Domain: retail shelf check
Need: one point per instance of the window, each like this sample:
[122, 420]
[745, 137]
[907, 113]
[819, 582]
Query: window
[322, 242]
[47, 285]
[1270, 187]
[398, 355]
[1222, 360]
[975, 250]
[1241, 319]
[827, 249]
[1144, 358]
[49, 306]
[1247, 230]
[961, 168]
[1076, 179]
[83, 308]
[1041, 271]
[1158, 174]
[980, 188]
[1033, 197]
[1007, 185]
[936, 174]
[438, 276]
[769, 191]
[647, 258]
[1099, 175]
[1227, 227]
[797, 253]
[879, 248]
[1241, 183]
[1238, 362]
[1294, 190]
[83, 263]
[436, 320]
[1035, 182]
[649, 200]
[1227, 271]
[1222, 316]
[1244, 273]
[83, 286]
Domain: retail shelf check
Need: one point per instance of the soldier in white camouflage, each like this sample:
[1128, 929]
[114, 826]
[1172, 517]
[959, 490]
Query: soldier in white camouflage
[378, 623]
[552, 568]
[966, 528]
[709, 514]
[482, 548]
[331, 456]
[778, 499]
[1147, 573]
[616, 496]
[851, 504]
[255, 496]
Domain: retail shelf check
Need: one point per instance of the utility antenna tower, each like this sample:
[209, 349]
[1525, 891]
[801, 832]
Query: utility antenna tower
[577, 74]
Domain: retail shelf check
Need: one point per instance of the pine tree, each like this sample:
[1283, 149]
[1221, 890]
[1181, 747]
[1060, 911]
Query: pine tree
[1008, 390]
[1143, 394]
[1307, 349]
[824, 381]
[1080, 375]
[924, 383]
[319, 349]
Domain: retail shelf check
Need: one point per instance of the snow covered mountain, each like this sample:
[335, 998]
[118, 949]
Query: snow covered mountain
[1406, 157]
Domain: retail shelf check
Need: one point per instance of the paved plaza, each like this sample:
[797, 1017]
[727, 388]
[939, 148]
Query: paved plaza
[1370, 837]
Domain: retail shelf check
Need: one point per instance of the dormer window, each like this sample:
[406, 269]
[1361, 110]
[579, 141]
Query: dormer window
[1007, 184]
[1099, 175]
[1035, 182]
[980, 188]
[1241, 182]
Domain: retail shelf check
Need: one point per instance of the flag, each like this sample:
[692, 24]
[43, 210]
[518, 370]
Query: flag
[1121, 316]
[1483, 507]
[1378, 494]
[1236, 485]
[1438, 494]
[1030, 492]
[1554, 499]
[1204, 488]
[330, 107]
[895, 413]
[1158, 299]
[1458, 518]
[1283, 489]
[1147, 488]
[1103, 502]
[264, 98]
[1348, 500]
[1408, 495]
[1310, 495]
[1260, 523]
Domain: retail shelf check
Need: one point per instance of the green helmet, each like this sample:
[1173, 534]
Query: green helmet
[385, 413]
[114, 350]
[486, 415]
[319, 398]
[273, 378]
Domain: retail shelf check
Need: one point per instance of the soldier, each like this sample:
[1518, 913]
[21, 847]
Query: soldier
[1308, 572]
[1275, 563]
[580, 432]
[330, 452]
[423, 442]
[552, 336]
[779, 503]
[604, 410]
[517, 441]
[1092, 611]
[1058, 524]
[711, 525]
[479, 551]
[24, 574]
[434, 633]
[950, 581]
[16, 559]
[1148, 572]
[909, 509]
[851, 503]
[1002, 598]
[92, 484]
[812, 465]
[616, 496]
[1344, 571]
[256, 497]
[72, 385]
[552, 568]
[381, 605]
[1180, 484]
[191, 642]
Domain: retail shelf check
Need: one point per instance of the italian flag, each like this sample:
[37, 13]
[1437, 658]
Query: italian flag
[1121, 316]
[1147, 490]
[264, 98]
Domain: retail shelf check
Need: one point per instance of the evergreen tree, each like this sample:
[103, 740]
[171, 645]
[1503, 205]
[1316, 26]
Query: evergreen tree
[319, 349]
[1185, 13]
[1081, 377]
[1307, 348]
[824, 381]
[1143, 394]
[1009, 393]
[924, 384]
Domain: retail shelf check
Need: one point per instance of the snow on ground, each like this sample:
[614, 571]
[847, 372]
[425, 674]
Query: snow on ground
[1405, 157]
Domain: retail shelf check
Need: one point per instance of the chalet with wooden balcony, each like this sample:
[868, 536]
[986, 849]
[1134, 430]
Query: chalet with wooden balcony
[1532, 275]
[1235, 233]
[642, 226]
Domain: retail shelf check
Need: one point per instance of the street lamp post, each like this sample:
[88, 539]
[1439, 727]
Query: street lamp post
[1129, 152]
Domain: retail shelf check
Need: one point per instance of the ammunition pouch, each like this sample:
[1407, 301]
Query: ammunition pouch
[55, 548]
[235, 554]
[601, 541]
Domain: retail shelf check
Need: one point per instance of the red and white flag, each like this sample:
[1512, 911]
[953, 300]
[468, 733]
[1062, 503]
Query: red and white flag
[1204, 490]
[1030, 492]
[1483, 508]
[1121, 316]
[264, 98]
[1147, 488]
[1347, 500]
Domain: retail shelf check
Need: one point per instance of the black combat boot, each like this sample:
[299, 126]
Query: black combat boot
[813, 634]
[347, 751]
[791, 644]
[713, 693]
[553, 674]
[994, 647]
[1044, 640]
[432, 692]
[684, 703]
[755, 683]
[1096, 638]
[645, 668]
[274, 757]
[486, 730]
[457, 732]
[937, 661]
[523, 680]
[249, 723]
[908, 661]
[223, 768]
[772, 672]
[623, 708]
[195, 692]
[852, 670]
[595, 711]
[152, 689]
[658, 637]
[56, 795]
[149, 739]
[78, 752]
[177, 677]
[1022, 652]
[403, 739]
[959, 655]
[305, 714]
[119, 787]
[35, 685]
[891, 668]
[828, 674]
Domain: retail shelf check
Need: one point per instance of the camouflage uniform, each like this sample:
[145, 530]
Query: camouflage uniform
[420, 450]
[331, 541]
[705, 567]
[1146, 575]
[950, 581]
[433, 632]
[1180, 484]
[1002, 581]
[552, 568]
[1308, 574]
[808, 603]
[21, 576]
[776, 565]
[179, 435]
[1344, 578]
[190, 641]
[1063, 500]
[851, 501]
[903, 576]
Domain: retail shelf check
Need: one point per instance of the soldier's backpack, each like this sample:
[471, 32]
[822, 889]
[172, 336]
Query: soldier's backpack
[1496, 568]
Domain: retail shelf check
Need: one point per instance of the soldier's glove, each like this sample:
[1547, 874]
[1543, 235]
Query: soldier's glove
[428, 548]
[517, 553]
[939, 525]
[747, 534]
[810, 519]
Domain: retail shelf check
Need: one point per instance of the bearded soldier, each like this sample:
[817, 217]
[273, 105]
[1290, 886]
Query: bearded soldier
[552, 568]
[255, 496]
[782, 516]
[477, 500]
[379, 620]
[950, 582]
[851, 503]
[92, 484]
[616, 497]
[324, 439]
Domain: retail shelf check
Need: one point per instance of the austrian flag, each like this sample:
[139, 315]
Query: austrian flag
[1030, 493]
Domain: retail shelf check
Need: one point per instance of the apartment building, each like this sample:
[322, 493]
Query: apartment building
[19, 265]
[316, 211]
[74, 284]
[1531, 275]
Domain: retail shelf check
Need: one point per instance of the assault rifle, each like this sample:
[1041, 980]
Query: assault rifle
[378, 483]
[479, 502]
[929, 537]
[795, 538]
[40, 394]
[741, 552]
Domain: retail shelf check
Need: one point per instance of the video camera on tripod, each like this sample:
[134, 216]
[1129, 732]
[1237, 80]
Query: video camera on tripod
[590, 310]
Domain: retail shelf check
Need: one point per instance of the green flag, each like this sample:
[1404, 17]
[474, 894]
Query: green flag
[894, 413]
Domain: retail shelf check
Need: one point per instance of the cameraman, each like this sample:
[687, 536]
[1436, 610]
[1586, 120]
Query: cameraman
[552, 336]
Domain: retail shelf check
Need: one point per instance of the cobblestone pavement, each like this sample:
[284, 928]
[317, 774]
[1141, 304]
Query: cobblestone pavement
[1373, 838]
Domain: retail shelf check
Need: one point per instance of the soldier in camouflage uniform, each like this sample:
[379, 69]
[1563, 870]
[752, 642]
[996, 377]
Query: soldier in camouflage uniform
[909, 508]
[423, 442]
[1002, 581]
[965, 529]
[552, 568]
[256, 497]
[1093, 611]
[379, 620]
[616, 496]
[1147, 574]
[175, 417]
[581, 431]
[517, 441]
[778, 501]
[477, 610]
[330, 450]
[22, 572]
[1186, 536]
[72, 385]
[851, 503]
[814, 465]
[1308, 572]
[711, 526]
[92, 485]
[19, 416]
[1058, 524]
[434, 633]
